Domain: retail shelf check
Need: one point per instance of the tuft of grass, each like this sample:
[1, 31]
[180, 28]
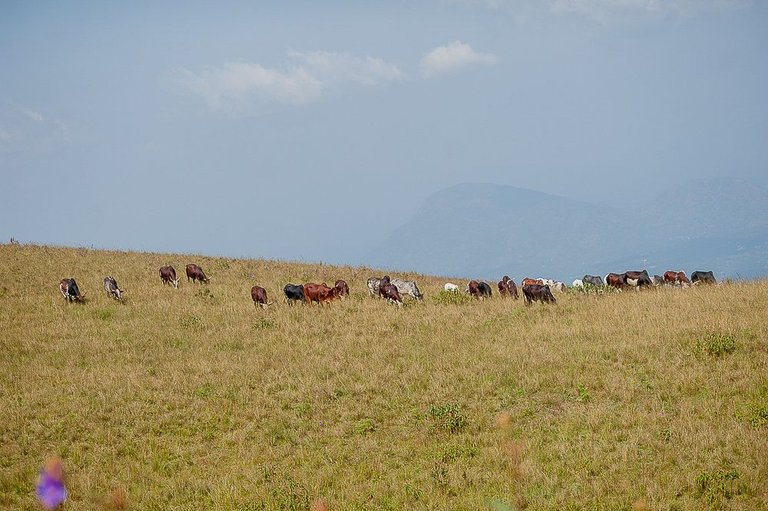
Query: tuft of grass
[448, 417]
[364, 426]
[714, 487]
[717, 344]
[451, 298]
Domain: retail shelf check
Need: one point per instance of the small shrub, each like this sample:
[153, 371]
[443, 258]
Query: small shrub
[582, 395]
[104, 314]
[451, 298]
[204, 390]
[191, 321]
[204, 294]
[715, 486]
[448, 417]
[263, 324]
[756, 415]
[717, 344]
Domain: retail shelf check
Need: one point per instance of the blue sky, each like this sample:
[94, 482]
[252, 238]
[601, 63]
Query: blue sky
[310, 130]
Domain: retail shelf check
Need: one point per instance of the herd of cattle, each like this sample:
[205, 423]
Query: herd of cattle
[393, 290]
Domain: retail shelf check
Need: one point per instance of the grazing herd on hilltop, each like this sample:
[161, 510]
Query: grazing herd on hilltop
[393, 290]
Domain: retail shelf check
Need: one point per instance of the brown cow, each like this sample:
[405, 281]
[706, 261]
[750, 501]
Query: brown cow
[343, 288]
[638, 279]
[259, 295]
[676, 278]
[70, 291]
[532, 282]
[319, 293]
[507, 287]
[538, 293]
[619, 281]
[196, 273]
[168, 276]
[474, 289]
[390, 293]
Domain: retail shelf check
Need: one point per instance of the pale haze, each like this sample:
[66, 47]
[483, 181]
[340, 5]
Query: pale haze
[312, 130]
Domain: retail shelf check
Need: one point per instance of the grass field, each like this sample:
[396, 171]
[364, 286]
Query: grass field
[195, 399]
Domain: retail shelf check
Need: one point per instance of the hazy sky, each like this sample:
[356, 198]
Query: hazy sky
[310, 130]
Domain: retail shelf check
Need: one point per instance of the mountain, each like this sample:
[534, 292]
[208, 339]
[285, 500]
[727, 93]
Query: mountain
[486, 230]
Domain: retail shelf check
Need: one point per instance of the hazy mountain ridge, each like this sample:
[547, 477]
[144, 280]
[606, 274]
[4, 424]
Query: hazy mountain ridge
[489, 230]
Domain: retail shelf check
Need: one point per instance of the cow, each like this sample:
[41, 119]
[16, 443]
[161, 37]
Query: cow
[479, 289]
[110, 286]
[407, 287]
[676, 278]
[703, 277]
[293, 293]
[485, 289]
[658, 280]
[319, 293]
[538, 293]
[70, 291]
[259, 296]
[507, 287]
[168, 276]
[451, 288]
[578, 283]
[374, 284]
[389, 292]
[593, 280]
[638, 279]
[554, 284]
[616, 280]
[530, 282]
[343, 288]
[195, 273]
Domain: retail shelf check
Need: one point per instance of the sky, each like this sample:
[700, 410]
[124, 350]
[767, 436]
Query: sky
[311, 130]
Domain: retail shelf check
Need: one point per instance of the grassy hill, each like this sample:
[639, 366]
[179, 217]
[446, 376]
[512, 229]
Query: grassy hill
[194, 399]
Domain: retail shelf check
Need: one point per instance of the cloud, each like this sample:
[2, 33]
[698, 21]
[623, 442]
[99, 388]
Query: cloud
[457, 55]
[306, 77]
[34, 116]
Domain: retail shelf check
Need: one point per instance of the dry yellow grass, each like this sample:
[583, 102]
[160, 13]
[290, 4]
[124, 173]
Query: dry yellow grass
[194, 399]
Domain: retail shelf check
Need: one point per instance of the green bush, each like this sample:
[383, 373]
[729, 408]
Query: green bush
[715, 486]
[451, 298]
[717, 344]
[448, 417]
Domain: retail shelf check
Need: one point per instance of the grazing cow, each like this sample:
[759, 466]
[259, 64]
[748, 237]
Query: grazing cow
[578, 283]
[451, 288]
[485, 289]
[374, 283]
[658, 280]
[259, 295]
[703, 277]
[70, 291]
[390, 293]
[110, 285]
[319, 293]
[676, 278]
[538, 293]
[168, 276]
[617, 280]
[507, 287]
[407, 287]
[293, 293]
[343, 288]
[554, 284]
[473, 288]
[593, 280]
[196, 273]
[530, 282]
[638, 279]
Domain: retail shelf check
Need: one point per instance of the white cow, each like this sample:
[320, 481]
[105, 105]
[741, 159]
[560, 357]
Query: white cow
[452, 288]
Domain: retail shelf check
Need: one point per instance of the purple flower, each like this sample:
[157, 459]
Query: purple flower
[50, 489]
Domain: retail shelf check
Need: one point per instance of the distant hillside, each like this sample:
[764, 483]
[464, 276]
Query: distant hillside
[488, 230]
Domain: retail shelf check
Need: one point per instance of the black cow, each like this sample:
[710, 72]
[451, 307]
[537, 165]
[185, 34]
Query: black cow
[485, 289]
[538, 293]
[293, 293]
[70, 291]
[703, 277]
[593, 280]
[390, 293]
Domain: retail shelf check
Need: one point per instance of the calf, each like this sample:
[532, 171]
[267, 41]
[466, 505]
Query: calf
[578, 283]
[195, 273]
[507, 287]
[451, 288]
[676, 278]
[343, 288]
[168, 276]
[538, 293]
[110, 285]
[390, 293]
[293, 293]
[259, 295]
[70, 291]
[616, 280]
[319, 293]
